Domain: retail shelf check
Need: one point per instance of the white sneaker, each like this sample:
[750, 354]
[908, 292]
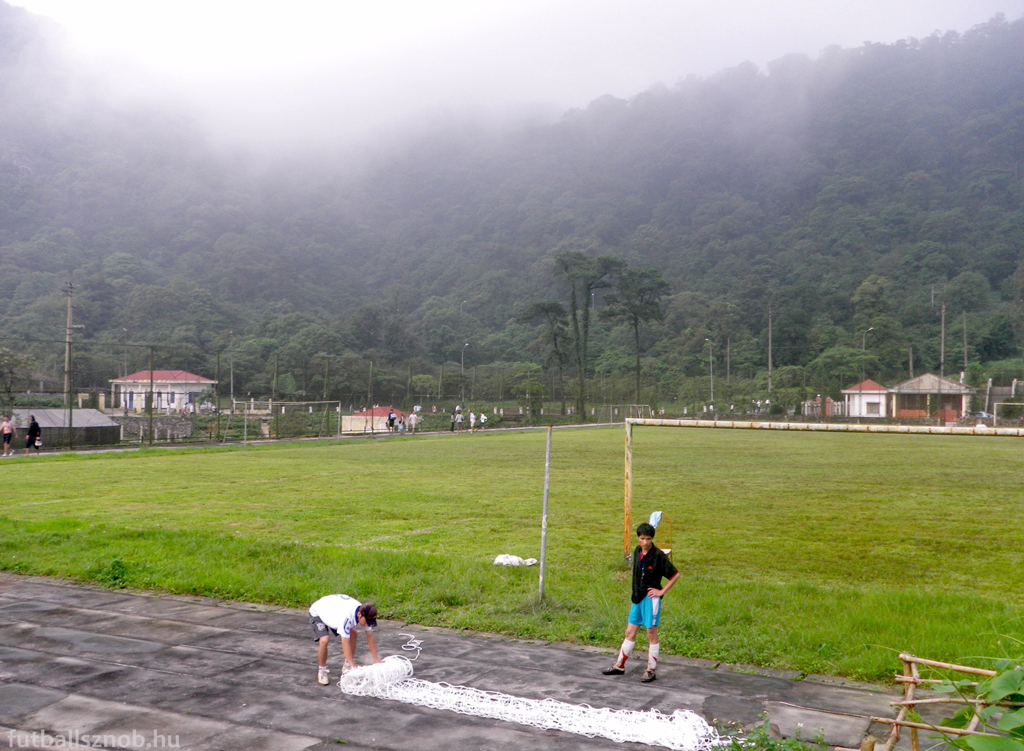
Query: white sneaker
[323, 676]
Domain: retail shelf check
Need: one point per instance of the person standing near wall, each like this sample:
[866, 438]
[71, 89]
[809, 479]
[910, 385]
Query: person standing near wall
[34, 433]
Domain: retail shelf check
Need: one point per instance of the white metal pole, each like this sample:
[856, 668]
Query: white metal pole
[544, 514]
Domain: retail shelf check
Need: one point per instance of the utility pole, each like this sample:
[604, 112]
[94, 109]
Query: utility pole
[769, 349]
[149, 397]
[462, 375]
[964, 326]
[942, 359]
[231, 366]
[942, 345]
[711, 367]
[369, 395]
[69, 290]
[728, 356]
[216, 395]
[277, 421]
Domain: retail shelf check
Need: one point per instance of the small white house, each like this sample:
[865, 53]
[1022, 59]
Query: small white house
[866, 399]
[173, 390]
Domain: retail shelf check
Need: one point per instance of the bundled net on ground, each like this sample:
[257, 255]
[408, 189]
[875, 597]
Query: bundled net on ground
[392, 679]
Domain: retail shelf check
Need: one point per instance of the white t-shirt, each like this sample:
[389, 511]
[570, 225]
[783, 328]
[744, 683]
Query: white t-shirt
[338, 612]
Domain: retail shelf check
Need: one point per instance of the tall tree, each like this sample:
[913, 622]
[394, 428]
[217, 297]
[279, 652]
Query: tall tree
[556, 336]
[583, 275]
[637, 300]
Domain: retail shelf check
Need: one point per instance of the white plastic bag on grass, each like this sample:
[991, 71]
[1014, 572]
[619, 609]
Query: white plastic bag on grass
[513, 560]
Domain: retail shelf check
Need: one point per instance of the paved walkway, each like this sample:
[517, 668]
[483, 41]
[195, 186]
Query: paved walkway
[147, 669]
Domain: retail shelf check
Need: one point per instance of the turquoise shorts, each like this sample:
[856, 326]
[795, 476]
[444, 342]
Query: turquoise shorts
[646, 613]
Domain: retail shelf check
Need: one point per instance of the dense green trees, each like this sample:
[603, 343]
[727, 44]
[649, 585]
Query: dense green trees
[852, 194]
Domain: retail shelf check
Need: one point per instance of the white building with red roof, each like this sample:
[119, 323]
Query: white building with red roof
[866, 399]
[173, 390]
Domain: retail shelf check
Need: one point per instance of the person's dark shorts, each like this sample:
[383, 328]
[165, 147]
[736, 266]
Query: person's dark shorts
[30, 442]
[7, 438]
[320, 629]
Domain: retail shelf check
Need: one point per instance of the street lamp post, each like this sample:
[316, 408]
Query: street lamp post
[863, 352]
[711, 368]
[460, 307]
[462, 374]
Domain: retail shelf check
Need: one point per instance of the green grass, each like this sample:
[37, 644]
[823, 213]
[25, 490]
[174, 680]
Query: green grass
[815, 552]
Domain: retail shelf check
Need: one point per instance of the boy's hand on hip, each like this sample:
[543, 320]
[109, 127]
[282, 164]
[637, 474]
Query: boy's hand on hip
[652, 592]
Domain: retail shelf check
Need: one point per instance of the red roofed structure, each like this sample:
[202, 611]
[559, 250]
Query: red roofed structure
[380, 412]
[173, 390]
[164, 376]
[867, 399]
[373, 420]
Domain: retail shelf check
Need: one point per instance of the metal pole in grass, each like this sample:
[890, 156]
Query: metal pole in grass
[627, 496]
[544, 514]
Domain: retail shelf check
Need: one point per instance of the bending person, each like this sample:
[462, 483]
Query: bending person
[341, 616]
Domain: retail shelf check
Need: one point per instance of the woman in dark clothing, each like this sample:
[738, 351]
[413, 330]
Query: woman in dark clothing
[32, 439]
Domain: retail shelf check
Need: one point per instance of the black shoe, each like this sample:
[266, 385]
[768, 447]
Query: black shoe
[613, 670]
[648, 676]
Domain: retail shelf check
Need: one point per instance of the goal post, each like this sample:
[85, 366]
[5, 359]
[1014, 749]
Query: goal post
[997, 405]
[822, 427]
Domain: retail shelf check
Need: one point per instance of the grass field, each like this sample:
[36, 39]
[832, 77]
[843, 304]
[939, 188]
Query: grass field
[815, 552]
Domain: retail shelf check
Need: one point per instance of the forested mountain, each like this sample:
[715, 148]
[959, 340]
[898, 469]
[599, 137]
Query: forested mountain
[852, 195]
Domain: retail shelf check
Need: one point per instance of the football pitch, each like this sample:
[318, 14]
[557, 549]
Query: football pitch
[822, 553]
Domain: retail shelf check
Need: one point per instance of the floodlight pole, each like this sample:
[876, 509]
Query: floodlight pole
[863, 352]
[544, 514]
[462, 374]
[711, 366]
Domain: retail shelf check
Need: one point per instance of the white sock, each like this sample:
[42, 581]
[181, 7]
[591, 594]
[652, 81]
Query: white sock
[625, 651]
[652, 656]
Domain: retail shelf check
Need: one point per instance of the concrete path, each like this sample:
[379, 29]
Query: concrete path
[137, 669]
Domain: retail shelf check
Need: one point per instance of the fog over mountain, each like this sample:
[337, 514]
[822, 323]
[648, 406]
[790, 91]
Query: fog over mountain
[318, 72]
[848, 190]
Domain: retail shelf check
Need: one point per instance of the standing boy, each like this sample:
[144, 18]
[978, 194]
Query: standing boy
[650, 565]
[341, 615]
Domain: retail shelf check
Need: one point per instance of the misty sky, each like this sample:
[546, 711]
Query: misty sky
[311, 69]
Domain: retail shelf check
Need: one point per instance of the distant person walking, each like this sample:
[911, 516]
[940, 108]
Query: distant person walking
[9, 434]
[458, 421]
[34, 433]
[483, 420]
[452, 428]
[472, 422]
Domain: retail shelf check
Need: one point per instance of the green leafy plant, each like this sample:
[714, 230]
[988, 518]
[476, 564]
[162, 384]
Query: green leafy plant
[761, 738]
[1000, 705]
